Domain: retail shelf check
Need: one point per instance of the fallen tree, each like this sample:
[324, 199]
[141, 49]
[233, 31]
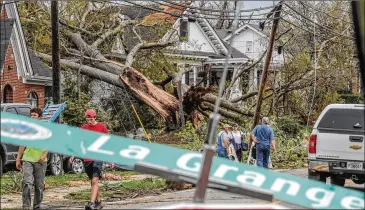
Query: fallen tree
[86, 49]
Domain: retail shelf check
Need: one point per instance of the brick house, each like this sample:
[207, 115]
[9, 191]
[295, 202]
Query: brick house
[24, 78]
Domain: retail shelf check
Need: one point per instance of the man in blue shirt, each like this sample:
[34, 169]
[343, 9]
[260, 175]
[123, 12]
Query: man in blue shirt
[223, 141]
[263, 136]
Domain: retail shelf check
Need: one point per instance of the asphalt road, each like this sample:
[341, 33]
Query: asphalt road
[212, 196]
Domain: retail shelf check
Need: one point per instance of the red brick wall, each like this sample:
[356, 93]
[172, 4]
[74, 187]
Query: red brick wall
[20, 90]
[3, 13]
[10, 77]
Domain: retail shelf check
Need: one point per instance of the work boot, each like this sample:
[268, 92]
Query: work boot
[98, 205]
[95, 205]
[89, 206]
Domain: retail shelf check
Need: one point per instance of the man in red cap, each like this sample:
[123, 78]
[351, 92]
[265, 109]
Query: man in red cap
[93, 168]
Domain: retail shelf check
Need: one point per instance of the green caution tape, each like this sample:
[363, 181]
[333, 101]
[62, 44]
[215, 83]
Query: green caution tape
[69, 140]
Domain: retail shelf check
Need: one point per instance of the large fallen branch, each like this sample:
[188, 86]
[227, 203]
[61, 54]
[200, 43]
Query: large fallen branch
[226, 104]
[160, 101]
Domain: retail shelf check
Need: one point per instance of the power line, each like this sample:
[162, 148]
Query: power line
[323, 36]
[317, 10]
[190, 17]
[202, 9]
[315, 71]
[303, 16]
[216, 10]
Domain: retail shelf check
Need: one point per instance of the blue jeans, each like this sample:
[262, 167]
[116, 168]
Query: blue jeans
[222, 152]
[262, 155]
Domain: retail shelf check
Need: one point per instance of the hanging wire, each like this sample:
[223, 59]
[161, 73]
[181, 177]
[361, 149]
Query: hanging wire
[322, 12]
[317, 24]
[204, 11]
[311, 32]
[217, 10]
[225, 70]
[315, 68]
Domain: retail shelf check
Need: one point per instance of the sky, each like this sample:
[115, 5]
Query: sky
[256, 4]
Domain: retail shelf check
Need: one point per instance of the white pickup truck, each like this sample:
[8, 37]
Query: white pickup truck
[336, 145]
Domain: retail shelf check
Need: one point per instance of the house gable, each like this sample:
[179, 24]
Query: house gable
[30, 68]
[6, 28]
[201, 35]
[244, 28]
[197, 40]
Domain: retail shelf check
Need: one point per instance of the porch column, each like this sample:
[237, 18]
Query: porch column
[236, 90]
[180, 67]
[252, 80]
[194, 73]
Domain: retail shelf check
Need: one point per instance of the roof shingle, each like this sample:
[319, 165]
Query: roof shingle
[6, 28]
[39, 68]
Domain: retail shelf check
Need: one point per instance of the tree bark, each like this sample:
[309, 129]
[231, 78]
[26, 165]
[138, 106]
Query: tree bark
[160, 101]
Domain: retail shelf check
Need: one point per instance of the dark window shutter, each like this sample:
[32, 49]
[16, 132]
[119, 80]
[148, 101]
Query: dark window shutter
[187, 78]
[183, 28]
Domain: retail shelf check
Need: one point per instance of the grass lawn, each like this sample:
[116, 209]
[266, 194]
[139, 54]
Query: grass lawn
[127, 189]
[180, 146]
[11, 181]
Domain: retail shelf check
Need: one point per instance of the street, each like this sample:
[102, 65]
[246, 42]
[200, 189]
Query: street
[212, 196]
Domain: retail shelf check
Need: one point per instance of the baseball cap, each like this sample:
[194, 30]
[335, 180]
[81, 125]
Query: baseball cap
[226, 126]
[90, 112]
[265, 120]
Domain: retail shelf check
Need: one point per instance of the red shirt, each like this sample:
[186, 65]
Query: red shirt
[99, 127]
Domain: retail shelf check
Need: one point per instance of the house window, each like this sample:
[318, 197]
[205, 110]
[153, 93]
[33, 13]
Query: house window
[8, 94]
[259, 74]
[249, 46]
[184, 29]
[47, 94]
[32, 99]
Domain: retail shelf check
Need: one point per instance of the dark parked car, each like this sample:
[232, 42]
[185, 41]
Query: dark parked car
[8, 152]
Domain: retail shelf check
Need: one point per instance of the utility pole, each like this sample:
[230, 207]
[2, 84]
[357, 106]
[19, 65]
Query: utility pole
[265, 71]
[56, 74]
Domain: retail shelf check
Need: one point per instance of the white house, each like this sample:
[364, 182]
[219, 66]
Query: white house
[202, 48]
[251, 40]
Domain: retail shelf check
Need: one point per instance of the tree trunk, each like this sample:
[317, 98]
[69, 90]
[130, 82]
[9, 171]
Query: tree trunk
[159, 100]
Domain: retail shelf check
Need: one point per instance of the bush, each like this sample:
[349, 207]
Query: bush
[289, 126]
[352, 98]
[193, 139]
[291, 148]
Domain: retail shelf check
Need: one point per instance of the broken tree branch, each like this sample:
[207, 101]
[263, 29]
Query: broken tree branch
[84, 31]
[87, 70]
[133, 52]
[112, 32]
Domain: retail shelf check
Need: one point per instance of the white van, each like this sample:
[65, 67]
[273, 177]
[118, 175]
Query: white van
[336, 145]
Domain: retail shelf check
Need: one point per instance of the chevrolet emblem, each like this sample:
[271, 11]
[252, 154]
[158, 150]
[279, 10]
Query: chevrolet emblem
[355, 147]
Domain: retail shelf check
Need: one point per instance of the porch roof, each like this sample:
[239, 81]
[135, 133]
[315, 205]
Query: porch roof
[207, 56]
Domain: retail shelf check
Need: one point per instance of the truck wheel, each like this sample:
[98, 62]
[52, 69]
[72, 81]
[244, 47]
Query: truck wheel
[335, 180]
[55, 164]
[1, 166]
[76, 167]
[317, 176]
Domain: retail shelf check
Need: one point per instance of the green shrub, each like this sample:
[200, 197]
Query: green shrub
[194, 139]
[290, 126]
[352, 98]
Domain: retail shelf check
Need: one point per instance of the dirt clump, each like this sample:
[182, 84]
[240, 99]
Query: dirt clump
[170, 138]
